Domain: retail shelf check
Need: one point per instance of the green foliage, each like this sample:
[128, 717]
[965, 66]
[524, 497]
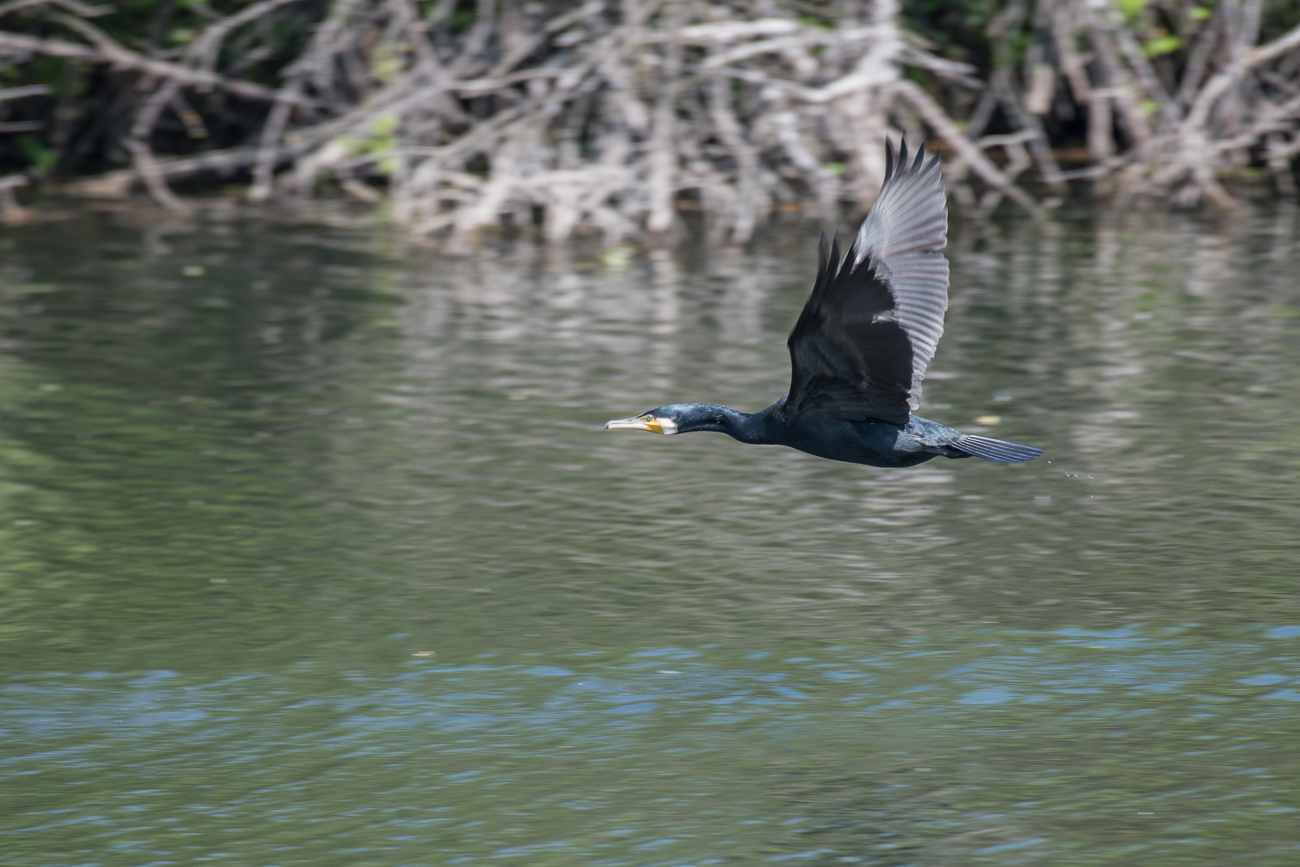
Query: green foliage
[1131, 9]
[463, 16]
[37, 154]
[1277, 17]
[387, 63]
[1020, 46]
[816, 21]
[1166, 44]
[956, 28]
[380, 141]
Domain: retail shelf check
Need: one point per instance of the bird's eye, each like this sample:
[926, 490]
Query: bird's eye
[649, 418]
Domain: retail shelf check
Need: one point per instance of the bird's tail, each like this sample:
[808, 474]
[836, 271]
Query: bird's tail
[994, 450]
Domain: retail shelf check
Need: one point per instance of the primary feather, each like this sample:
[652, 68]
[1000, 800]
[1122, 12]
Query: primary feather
[869, 330]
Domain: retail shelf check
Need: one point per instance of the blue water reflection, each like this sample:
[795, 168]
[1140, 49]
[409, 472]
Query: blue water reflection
[568, 753]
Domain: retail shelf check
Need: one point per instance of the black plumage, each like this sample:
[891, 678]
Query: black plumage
[859, 351]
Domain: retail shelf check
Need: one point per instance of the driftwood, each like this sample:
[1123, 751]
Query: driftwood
[113, 185]
[612, 114]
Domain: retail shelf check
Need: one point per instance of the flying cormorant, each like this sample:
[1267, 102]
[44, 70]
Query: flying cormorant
[860, 348]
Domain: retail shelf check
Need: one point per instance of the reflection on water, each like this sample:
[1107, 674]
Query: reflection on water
[312, 551]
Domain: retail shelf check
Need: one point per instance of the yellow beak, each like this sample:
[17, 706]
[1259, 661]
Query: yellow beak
[638, 423]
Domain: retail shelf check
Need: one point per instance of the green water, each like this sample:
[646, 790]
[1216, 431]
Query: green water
[321, 557]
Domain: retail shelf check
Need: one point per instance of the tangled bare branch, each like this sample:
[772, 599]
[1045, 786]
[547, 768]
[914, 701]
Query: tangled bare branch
[613, 114]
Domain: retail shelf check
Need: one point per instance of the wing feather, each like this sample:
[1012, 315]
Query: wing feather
[873, 321]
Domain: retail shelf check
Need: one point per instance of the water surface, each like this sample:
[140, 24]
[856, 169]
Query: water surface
[313, 552]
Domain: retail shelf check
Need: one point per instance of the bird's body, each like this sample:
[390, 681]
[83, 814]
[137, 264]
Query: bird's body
[860, 349]
[869, 441]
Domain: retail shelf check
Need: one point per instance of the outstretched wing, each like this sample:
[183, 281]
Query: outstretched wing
[871, 325]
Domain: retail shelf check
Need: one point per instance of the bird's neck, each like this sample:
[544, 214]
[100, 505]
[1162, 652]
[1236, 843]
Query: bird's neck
[748, 427]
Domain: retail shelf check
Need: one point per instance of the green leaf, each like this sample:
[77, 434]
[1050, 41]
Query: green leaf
[1162, 45]
[384, 125]
[813, 21]
[1131, 9]
[354, 146]
[42, 157]
[1199, 13]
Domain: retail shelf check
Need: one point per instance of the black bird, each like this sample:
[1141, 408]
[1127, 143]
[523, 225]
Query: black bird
[861, 346]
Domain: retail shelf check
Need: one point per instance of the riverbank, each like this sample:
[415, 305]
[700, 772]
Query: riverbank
[609, 117]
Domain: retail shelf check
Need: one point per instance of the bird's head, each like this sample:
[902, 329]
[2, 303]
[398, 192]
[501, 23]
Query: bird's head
[672, 419]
